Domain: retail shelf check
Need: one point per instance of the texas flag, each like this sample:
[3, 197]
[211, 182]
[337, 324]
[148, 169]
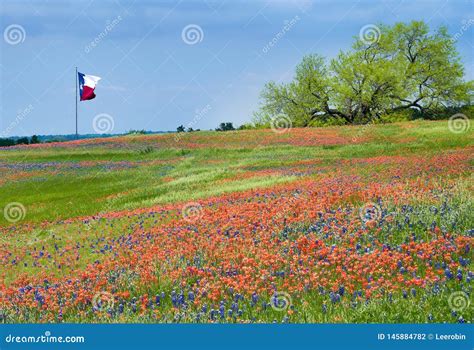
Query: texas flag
[87, 85]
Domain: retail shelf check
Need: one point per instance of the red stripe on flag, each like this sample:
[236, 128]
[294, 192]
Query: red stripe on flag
[87, 93]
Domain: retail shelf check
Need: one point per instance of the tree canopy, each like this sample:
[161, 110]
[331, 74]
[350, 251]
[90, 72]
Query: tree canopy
[225, 127]
[404, 66]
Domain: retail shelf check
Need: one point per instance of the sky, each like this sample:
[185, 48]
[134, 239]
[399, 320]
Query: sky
[167, 63]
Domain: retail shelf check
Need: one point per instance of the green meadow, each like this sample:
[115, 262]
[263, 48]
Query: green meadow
[88, 180]
[61, 182]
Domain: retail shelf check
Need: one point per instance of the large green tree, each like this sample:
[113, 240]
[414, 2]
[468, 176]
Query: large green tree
[403, 66]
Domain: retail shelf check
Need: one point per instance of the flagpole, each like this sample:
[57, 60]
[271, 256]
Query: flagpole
[77, 136]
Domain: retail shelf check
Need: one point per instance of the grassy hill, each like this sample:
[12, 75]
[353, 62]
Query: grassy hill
[138, 171]
[341, 224]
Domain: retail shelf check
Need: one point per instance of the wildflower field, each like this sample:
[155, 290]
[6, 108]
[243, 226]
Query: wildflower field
[355, 224]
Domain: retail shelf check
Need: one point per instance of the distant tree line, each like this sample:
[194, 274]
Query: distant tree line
[181, 128]
[400, 71]
[5, 142]
[227, 126]
[136, 132]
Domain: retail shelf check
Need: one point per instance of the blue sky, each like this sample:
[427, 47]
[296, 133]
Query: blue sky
[154, 79]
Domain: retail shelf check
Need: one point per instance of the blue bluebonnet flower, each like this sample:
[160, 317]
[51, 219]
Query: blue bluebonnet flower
[335, 297]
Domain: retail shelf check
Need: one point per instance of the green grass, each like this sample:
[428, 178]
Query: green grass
[185, 174]
[55, 184]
